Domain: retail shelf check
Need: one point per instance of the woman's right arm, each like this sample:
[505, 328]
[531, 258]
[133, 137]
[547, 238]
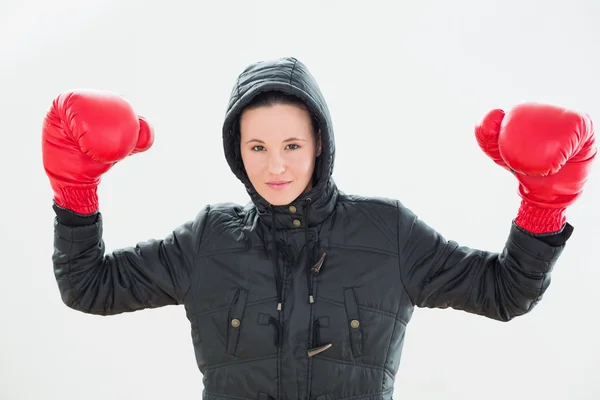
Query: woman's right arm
[151, 274]
[84, 134]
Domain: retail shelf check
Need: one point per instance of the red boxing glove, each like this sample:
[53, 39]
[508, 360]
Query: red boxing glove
[84, 134]
[550, 150]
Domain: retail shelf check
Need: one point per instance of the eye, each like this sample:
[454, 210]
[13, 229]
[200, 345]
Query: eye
[257, 148]
[293, 146]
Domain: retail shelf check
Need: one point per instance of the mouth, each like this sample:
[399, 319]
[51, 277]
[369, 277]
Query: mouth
[278, 185]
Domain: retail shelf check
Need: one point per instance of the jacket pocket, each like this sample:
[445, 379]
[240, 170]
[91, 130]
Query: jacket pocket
[354, 324]
[265, 319]
[235, 320]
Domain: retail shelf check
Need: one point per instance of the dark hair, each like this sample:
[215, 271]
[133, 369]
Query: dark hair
[274, 97]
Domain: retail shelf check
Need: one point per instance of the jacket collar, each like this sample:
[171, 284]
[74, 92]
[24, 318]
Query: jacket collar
[306, 211]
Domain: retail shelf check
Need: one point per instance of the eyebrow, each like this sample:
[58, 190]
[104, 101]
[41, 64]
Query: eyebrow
[292, 139]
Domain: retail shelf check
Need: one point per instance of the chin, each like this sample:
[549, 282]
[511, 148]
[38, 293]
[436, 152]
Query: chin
[280, 198]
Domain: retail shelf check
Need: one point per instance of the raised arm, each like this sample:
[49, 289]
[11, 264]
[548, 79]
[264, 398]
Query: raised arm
[151, 274]
[550, 151]
[84, 134]
[440, 273]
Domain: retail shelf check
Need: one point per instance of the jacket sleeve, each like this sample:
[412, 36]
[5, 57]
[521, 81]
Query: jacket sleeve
[150, 274]
[440, 273]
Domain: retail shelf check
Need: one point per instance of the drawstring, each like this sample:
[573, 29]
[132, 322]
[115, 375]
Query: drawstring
[279, 330]
[309, 254]
[275, 262]
[312, 268]
[317, 333]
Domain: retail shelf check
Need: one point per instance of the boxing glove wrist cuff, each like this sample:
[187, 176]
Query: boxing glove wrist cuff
[82, 201]
[539, 220]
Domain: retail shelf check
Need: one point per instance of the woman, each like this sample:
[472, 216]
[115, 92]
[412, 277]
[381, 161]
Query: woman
[306, 292]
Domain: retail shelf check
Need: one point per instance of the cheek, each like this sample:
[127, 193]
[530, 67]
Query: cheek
[302, 164]
[252, 163]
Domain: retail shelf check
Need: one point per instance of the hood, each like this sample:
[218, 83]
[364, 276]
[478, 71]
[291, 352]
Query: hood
[290, 76]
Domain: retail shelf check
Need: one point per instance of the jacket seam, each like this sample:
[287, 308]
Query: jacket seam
[383, 369]
[397, 318]
[227, 307]
[480, 265]
[197, 253]
[364, 248]
[387, 353]
[363, 395]
[545, 259]
[226, 396]
[332, 246]
[366, 308]
[401, 250]
[76, 295]
[239, 362]
[544, 273]
[230, 250]
[381, 202]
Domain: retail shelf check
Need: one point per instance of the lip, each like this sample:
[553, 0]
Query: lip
[278, 185]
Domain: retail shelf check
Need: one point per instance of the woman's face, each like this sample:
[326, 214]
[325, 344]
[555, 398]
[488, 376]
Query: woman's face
[279, 151]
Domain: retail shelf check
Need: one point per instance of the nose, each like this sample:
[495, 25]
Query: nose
[276, 164]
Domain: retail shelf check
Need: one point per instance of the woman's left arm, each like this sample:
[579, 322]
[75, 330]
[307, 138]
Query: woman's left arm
[550, 151]
[439, 273]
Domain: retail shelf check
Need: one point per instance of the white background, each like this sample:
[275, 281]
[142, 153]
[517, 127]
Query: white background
[405, 81]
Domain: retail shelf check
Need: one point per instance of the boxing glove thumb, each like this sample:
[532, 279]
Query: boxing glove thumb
[487, 132]
[146, 136]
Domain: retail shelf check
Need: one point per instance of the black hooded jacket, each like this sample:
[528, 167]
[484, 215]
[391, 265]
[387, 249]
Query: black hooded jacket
[309, 301]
